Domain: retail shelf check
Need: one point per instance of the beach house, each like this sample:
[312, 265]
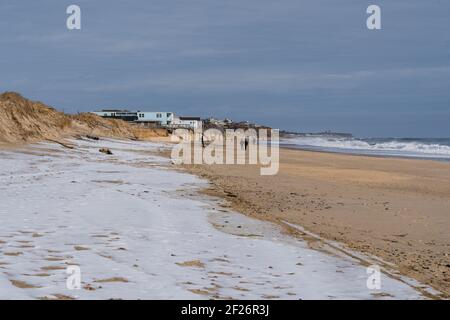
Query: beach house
[187, 122]
[152, 118]
[160, 118]
[142, 117]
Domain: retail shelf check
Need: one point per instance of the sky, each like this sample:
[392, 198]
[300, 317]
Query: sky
[299, 65]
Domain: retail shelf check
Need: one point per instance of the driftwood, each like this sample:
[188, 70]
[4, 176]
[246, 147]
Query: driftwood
[105, 151]
[61, 143]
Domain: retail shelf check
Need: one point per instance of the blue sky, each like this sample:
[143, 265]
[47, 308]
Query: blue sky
[306, 65]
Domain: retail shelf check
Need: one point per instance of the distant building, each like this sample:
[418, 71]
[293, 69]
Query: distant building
[157, 118]
[215, 122]
[117, 114]
[163, 119]
[188, 122]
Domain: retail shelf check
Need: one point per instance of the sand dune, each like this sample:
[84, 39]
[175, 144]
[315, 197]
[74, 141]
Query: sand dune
[23, 120]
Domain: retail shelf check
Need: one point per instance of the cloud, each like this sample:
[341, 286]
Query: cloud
[230, 80]
[296, 56]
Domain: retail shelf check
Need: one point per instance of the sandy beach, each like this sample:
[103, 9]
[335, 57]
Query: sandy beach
[396, 209]
[135, 227]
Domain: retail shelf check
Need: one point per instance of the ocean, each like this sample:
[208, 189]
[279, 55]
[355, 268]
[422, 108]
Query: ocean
[421, 148]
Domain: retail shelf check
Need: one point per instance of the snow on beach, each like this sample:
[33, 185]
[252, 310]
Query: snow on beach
[139, 230]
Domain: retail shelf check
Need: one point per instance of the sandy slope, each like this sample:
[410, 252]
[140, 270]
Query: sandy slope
[396, 209]
[140, 230]
[22, 120]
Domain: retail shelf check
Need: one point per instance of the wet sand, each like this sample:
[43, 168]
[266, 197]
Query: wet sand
[396, 209]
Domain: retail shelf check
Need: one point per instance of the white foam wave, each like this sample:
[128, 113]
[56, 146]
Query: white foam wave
[386, 147]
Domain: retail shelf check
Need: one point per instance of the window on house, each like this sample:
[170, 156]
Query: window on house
[168, 114]
[159, 115]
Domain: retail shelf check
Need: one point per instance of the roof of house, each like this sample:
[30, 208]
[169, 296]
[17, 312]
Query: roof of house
[190, 118]
[113, 110]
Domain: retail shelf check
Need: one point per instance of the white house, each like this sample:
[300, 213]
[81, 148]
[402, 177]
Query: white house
[117, 114]
[187, 122]
[159, 118]
[163, 118]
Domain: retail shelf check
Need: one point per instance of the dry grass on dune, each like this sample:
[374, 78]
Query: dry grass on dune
[23, 120]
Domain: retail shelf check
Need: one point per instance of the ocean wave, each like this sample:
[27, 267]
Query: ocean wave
[393, 146]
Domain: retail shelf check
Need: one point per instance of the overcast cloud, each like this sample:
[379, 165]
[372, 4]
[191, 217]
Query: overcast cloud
[305, 65]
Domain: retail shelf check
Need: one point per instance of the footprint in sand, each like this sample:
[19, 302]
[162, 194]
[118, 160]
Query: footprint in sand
[81, 248]
[191, 263]
[57, 258]
[114, 279]
[13, 254]
[37, 275]
[57, 297]
[53, 268]
[23, 285]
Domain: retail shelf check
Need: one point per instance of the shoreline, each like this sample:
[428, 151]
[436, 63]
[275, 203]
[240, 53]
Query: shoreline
[381, 156]
[379, 206]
